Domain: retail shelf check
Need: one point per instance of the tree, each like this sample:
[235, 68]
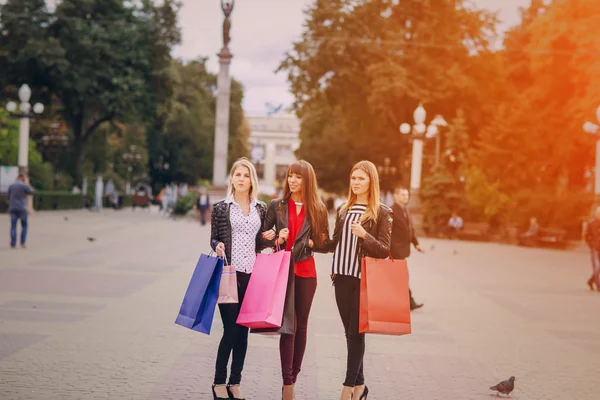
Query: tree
[370, 63]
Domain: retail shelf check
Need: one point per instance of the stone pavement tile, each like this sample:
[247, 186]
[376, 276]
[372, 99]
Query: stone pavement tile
[12, 343]
[84, 308]
[488, 314]
[71, 283]
[39, 316]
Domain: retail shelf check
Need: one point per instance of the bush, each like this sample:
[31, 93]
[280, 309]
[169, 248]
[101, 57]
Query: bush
[43, 200]
[185, 203]
[566, 211]
[265, 198]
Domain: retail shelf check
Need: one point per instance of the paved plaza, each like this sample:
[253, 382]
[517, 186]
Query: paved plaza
[84, 319]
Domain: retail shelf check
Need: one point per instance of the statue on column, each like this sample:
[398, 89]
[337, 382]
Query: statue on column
[227, 7]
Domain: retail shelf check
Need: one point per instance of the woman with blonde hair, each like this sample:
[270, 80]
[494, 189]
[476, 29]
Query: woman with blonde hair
[363, 229]
[236, 234]
[300, 220]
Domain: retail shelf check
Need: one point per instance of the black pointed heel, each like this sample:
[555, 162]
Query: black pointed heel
[231, 397]
[365, 393]
[215, 394]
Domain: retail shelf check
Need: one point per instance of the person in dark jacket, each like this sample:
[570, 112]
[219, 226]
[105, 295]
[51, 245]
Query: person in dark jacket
[237, 235]
[202, 205]
[363, 228]
[300, 220]
[592, 238]
[403, 232]
[17, 207]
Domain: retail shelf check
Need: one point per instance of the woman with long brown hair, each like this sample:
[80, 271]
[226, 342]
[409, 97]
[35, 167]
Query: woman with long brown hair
[300, 222]
[363, 228]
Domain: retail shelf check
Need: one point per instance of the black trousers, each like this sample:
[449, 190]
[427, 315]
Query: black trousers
[293, 347]
[234, 340]
[347, 296]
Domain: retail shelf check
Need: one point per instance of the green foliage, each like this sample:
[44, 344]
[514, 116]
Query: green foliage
[443, 188]
[99, 61]
[190, 124]
[43, 200]
[185, 203]
[361, 68]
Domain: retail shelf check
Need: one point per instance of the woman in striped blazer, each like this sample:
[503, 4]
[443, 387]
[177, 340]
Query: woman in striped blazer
[363, 229]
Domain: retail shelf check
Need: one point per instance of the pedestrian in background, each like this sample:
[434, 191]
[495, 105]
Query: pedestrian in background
[202, 205]
[18, 208]
[403, 232]
[592, 238]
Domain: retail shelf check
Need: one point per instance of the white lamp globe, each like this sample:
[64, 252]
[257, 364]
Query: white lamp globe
[590, 127]
[38, 108]
[24, 93]
[405, 128]
[432, 130]
[420, 128]
[25, 108]
[419, 115]
[11, 106]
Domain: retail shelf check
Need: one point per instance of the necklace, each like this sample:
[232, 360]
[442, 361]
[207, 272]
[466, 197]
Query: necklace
[298, 203]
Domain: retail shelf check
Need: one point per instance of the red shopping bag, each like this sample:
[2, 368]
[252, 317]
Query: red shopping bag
[384, 298]
[264, 300]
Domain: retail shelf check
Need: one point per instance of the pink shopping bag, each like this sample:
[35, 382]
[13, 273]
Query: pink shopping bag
[228, 289]
[264, 300]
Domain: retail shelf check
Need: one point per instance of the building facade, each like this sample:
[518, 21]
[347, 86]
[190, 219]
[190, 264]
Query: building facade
[272, 142]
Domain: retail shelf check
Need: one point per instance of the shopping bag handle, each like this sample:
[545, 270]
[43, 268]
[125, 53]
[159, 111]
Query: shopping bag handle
[225, 259]
[391, 258]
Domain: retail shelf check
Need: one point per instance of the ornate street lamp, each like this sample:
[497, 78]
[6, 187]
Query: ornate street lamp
[420, 132]
[24, 113]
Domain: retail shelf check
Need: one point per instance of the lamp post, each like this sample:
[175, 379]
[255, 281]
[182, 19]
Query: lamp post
[420, 132]
[387, 174]
[131, 159]
[52, 146]
[24, 113]
[594, 129]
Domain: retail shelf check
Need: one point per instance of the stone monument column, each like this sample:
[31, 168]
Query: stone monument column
[223, 103]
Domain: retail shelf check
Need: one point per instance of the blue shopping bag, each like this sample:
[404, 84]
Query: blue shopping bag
[198, 307]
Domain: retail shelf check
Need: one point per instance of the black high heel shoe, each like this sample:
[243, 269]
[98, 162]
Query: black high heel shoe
[231, 394]
[215, 394]
[364, 394]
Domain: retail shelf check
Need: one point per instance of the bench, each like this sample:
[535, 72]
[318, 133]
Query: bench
[474, 231]
[552, 237]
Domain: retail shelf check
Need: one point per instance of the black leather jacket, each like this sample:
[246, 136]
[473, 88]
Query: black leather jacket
[277, 217]
[220, 229]
[377, 242]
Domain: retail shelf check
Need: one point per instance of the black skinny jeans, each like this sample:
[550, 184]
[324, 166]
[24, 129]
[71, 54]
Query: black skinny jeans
[292, 347]
[347, 296]
[235, 338]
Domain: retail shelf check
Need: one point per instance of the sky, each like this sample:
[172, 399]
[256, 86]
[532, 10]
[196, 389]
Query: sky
[262, 31]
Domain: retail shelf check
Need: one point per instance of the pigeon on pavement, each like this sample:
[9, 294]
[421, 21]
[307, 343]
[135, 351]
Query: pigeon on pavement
[505, 387]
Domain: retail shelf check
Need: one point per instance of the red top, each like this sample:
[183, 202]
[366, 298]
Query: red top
[305, 268]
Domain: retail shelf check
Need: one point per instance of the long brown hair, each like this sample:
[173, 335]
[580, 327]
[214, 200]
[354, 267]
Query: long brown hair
[373, 194]
[315, 209]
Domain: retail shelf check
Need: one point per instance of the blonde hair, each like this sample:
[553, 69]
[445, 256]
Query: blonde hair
[373, 202]
[244, 162]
